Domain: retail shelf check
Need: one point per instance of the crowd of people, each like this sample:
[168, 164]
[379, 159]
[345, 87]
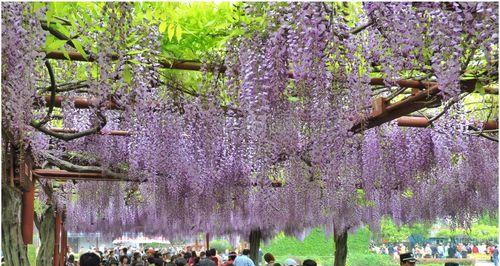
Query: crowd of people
[154, 257]
[440, 250]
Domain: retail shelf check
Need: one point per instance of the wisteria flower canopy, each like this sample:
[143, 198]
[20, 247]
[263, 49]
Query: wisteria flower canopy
[293, 119]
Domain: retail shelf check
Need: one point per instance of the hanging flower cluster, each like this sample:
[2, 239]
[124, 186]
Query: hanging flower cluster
[277, 152]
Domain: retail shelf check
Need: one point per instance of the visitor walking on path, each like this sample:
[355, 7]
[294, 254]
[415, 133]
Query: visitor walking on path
[495, 256]
[244, 260]
[269, 258]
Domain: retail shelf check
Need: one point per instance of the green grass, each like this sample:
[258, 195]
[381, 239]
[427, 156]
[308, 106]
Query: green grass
[320, 248]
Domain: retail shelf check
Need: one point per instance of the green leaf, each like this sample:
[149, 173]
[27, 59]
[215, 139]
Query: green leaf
[49, 15]
[293, 99]
[163, 27]
[127, 74]
[79, 48]
[61, 29]
[479, 88]
[134, 52]
[56, 45]
[37, 5]
[171, 29]
[134, 61]
[66, 54]
[149, 14]
[407, 193]
[95, 71]
[178, 33]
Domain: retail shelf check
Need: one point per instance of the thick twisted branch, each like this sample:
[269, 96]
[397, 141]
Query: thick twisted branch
[72, 136]
[65, 165]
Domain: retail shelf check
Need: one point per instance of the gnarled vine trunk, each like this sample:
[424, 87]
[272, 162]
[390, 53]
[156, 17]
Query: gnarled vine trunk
[13, 247]
[340, 239]
[255, 236]
[45, 226]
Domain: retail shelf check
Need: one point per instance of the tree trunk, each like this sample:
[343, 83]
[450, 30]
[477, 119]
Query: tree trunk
[340, 248]
[47, 235]
[13, 247]
[255, 236]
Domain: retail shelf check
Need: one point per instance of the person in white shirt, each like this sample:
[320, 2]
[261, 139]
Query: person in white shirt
[440, 250]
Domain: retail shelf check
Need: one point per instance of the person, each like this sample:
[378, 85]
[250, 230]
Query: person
[111, 258]
[427, 251]
[171, 262]
[187, 256]
[155, 260]
[244, 260]
[125, 252]
[418, 252]
[124, 261]
[390, 249]
[231, 258]
[309, 263]
[407, 259]
[205, 259]
[213, 257]
[481, 248]
[269, 259]
[192, 259]
[434, 251]
[451, 251]
[136, 260]
[181, 261]
[89, 259]
[440, 250]
[291, 262]
[495, 256]
[475, 250]
[71, 260]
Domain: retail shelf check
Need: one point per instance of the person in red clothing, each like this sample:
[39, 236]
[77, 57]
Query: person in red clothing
[192, 259]
[491, 250]
[213, 256]
[475, 250]
[230, 261]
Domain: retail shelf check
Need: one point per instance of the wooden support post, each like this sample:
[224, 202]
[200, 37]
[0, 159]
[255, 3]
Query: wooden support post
[57, 238]
[207, 241]
[255, 236]
[28, 215]
[64, 245]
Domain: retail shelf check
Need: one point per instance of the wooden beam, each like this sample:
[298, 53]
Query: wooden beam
[64, 175]
[194, 65]
[81, 103]
[404, 107]
[111, 132]
[420, 121]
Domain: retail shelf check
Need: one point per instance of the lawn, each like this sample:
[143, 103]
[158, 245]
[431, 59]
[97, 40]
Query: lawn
[319, 248]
